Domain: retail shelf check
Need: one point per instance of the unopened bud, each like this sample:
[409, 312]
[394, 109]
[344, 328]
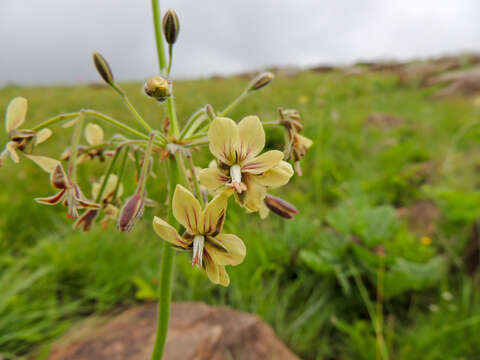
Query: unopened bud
[158, 88]
[280, 207]
[103, 68]
[260, 81]
[171, 26]
[210, 112]
[130, 212]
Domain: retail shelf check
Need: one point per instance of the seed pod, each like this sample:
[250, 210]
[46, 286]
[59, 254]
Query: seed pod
[260, 81]
[158, 88]
[171, 26]
[103, 68]
[280, 207]
[131, 211]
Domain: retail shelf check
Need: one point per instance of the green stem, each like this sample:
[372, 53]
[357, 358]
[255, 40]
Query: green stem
[135, 113]
[234, 103]
[170, 55]
[193, 176]
[107, 175]
[119, 125]
[191, 121]
[145, 168]
[166, 270]
[270, 123]
[77, 132]
[55, 120]
[121, 172]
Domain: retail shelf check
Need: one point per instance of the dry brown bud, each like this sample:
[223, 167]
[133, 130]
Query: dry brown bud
[280, 207]
[130, 212]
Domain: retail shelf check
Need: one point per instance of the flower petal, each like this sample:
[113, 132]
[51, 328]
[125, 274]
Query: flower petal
[47, 164]
[52, 200]
[223, 138]
[226, 249]
[15, 114]
[251, 137]
[11, 148]
[223, 278]
[214, 215]
[94, 134]
[263, 162]
[187, 209]
[213, 179]
[276, 176]
[211, 269]
[109, 187]
[252, 198]
[168, 233]
[87, 204]
[71, 123]
[43, 135]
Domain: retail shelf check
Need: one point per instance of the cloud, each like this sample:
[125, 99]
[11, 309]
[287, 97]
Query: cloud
[51, 41]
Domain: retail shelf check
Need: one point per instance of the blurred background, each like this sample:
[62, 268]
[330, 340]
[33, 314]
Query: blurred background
[382, 260]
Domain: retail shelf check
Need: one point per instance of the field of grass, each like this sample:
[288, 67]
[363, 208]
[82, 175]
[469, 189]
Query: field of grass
[319, 280]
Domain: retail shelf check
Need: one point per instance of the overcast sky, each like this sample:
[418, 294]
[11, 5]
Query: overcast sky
[51, 41]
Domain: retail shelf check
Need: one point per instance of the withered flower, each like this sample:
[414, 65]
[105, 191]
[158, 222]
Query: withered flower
[158, 88]
[70, 194]
[297, 145]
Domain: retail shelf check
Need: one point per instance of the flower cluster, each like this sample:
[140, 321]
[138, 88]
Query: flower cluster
[241, 167]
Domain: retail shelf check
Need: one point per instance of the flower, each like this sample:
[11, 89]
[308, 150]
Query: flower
[212, 249]
[297, 145]
[87, 219]
[236, 147]
[70, 194]
[20, 139]
[95, 138]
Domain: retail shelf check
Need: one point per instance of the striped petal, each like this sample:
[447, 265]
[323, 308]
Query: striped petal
[262, 163]
[226, 249]
[223, 138]
[187, 209]
[276, 176]
[168, 233]
[52, 200]
[251, 137]
[15, 114]
[214, 215]
[252, 198]
[213, 179]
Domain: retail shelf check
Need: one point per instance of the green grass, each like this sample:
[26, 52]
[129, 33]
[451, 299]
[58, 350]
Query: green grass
[313, 279]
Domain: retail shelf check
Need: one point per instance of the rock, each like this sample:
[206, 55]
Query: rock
[421, 72]
[197, 331]
[452, 76]
[467, 88]
[383, 120]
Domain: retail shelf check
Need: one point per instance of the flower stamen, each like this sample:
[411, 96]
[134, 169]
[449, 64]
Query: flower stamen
[198, 244]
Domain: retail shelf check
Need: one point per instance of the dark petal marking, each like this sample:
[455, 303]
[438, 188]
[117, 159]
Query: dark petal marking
[52, 200]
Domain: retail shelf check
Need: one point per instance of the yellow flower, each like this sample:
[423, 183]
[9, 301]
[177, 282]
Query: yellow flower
[240, 167]
[20, 139]
[212, 249]
[70, 194]
[425, 240]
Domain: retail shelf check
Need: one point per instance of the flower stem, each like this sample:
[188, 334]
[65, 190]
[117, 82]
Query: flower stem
[166, 270]
[107, 175]
[121, 172]
[193, 176]
[166, 266]
[77, 132]
[234, 103]
[145, 168]
[55, 120]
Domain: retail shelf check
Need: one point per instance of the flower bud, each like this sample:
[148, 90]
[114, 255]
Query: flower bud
[103, 68]
[86, 220]
[210, 112]
[171, 26]
[280, 207]
[130, 212]
[158, 88]
[260, 81]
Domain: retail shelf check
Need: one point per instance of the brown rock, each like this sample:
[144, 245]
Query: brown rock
[461, 88]
[383, 120]
[452, 76]
[197, 332]
[421, 72]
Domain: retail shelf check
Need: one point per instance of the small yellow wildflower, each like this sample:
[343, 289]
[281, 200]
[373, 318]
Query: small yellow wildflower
[425, 240]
